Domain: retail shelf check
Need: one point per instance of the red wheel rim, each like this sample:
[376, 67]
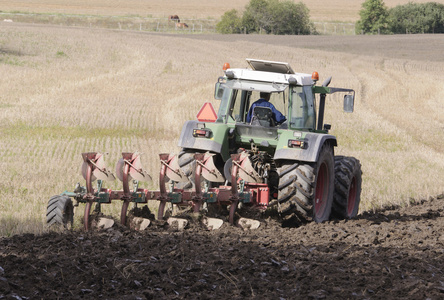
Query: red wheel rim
[351, 198]
[321, 190]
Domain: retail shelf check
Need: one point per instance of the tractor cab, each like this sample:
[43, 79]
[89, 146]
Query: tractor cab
[291, 103]
[240, 88]
[292, 94]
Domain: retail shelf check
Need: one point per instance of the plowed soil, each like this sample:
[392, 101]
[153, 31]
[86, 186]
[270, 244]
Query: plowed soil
[394, 253]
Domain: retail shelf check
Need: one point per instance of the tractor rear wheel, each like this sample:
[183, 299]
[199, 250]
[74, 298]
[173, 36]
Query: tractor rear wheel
[60, 211]
[306, 190]
[348, 180]
[187, 164]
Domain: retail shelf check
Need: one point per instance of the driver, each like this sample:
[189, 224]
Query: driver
[264, 102]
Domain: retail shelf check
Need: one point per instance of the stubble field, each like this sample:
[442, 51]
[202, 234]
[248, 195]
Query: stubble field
[68, 91]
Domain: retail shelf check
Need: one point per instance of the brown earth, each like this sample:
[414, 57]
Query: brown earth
[394, 253]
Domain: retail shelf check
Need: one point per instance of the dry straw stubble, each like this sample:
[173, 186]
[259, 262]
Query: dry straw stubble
[75, 90]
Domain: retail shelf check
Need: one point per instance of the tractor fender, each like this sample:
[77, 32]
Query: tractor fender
[313, 143]
[187, 140]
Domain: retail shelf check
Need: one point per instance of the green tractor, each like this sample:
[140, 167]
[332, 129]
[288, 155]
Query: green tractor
[293, 155]
[272, 153]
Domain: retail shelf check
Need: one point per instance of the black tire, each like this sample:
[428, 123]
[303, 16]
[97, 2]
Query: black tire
[60, 211]
[348, 182]
[301, 183]
[187, 164]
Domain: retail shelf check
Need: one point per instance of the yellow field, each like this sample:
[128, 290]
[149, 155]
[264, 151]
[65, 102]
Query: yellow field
[320, 10]
[69, 90]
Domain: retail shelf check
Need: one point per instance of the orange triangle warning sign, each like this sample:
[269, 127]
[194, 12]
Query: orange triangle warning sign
[207, 113]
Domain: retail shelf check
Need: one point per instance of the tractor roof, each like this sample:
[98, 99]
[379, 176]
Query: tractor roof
[269, 71]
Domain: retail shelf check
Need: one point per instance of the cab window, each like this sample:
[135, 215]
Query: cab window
[302, 110]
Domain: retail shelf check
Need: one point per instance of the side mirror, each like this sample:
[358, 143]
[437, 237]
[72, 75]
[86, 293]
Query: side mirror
[349, 101]
[218, 91]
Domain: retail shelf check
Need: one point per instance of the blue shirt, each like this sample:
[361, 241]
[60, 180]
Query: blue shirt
[277, 115]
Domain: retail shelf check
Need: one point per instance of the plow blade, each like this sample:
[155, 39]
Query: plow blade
[209, 170]
[246, 170]
[173, 171]
[95, 161]
[135, 167]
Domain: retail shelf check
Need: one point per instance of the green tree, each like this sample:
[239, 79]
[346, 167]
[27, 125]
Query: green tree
[230, 23]
[417, 18]
[292, 18]
[257, 16]
[374, 18]
[269, 16]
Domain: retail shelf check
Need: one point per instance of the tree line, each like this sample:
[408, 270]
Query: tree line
[288, 17]
[412, 17]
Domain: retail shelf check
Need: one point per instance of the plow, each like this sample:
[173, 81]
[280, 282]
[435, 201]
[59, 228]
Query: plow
[129, 168]
[249, 154]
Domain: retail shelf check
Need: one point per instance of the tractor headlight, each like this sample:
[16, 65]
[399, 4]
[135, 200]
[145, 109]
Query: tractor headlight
[297, 144]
